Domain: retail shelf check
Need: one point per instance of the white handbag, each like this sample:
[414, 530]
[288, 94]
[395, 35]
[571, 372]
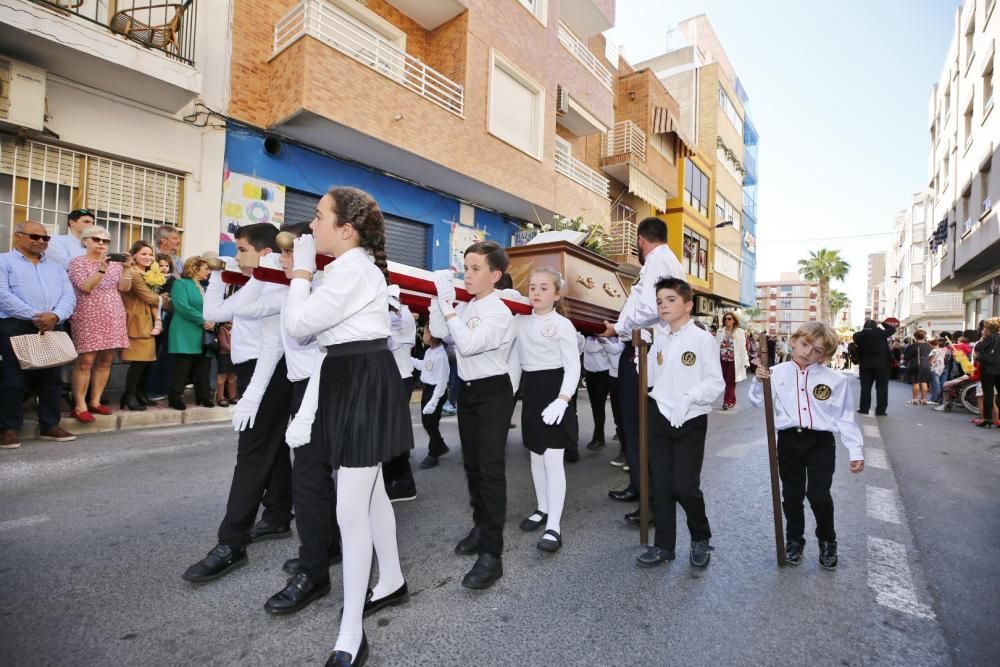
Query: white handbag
[43, 350]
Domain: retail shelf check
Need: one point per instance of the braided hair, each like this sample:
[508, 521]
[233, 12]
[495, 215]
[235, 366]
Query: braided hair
[357, 207]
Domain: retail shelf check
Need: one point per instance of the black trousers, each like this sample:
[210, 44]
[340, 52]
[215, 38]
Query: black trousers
[315, 500]
[991, 390]
[628, 406]
[398, 467]
[484, 410]
[244, 372]
[598, 387]
[880, 377]
[14, 381]
[186, 366]
[432, 422]
[806, 460]
[262, 464]
[616, 412]
[675, 458]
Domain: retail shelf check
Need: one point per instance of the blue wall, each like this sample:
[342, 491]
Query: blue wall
[302, 169]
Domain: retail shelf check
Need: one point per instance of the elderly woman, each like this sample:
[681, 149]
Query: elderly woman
[98, 322]
[143, 324]
[735, 360]
[184, 339]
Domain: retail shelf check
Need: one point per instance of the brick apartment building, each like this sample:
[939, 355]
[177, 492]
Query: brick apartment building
[786, 304]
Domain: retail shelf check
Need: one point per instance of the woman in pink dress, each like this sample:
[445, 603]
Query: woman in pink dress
[98, 323]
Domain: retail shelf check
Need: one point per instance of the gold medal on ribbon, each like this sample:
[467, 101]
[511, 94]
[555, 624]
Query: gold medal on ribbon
[659, 358]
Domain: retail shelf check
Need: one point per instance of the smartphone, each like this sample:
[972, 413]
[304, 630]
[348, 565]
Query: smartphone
[119, 257]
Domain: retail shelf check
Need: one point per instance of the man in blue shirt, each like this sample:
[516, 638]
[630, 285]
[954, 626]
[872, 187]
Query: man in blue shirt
[69, 245]
[35, 295]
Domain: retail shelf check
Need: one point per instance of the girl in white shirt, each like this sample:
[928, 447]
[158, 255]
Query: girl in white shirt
[363, 416]
[434, 373]
[545, 355]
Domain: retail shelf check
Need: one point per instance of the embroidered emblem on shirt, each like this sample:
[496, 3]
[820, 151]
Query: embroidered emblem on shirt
[473, 323]
[688, 358]
[549, 330]
[659, 357]
[822, 392]
[428, 365]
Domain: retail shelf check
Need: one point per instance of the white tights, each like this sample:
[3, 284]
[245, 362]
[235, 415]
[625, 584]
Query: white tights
[549, 477]
[358, 490]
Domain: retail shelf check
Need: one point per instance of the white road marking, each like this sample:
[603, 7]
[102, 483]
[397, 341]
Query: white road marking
[889, 578]
[23, 522]
[875, 458]
[871, 431]
[882, 505]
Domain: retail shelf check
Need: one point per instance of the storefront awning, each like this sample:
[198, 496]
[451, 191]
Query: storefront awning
[644, 188]
[663, 121]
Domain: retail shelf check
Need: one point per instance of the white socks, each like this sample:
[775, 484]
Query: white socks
[365, 516]
[549, 477]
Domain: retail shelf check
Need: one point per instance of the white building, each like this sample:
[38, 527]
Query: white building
[874, 298]
[965, 136]
[105, 109]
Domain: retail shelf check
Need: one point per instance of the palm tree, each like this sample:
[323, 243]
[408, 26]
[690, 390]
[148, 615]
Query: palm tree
[749, 314]
[838, 300]
[822, 266]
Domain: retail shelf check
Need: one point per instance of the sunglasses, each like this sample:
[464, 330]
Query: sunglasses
[35, 237]
[82, 211]
[96, 239]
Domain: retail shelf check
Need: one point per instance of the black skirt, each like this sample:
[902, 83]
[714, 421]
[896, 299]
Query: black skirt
[364, 415]
[538, 389]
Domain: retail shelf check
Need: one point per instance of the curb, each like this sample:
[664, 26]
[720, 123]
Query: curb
[125, 420]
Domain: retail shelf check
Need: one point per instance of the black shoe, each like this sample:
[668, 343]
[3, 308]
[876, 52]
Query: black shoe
[618, 461]
[469, 545]
[220, 561]
[293, 565]
[632, 519]
[484, 573]
[401, 492]
[131, 403]
[269, 531]
[207, 403]
[793, 552]
[625, 496]
[701, 553]
[400, 596]
[547, 545]
[177, 403]
[596, 445]
[654, 556]
[143, 398]
[429, 462]
[300, 591]
[828, 555]
[571, 456]
[345, 659]
[880, 414]
[530, 525]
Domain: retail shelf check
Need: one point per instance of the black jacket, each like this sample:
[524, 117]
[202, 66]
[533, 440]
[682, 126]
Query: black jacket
[873, 347]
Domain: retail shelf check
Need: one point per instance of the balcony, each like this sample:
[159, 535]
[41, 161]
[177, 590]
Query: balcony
[625, 138]
[573, 169]
[323, 21]
[580, 51]
[943, 303]
[588, 17]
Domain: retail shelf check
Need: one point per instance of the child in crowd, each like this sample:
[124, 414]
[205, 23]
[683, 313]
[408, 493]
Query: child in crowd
[434, 372]
[225, 379]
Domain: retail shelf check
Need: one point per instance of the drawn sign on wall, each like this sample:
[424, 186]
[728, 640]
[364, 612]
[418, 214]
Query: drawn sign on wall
[247, 200]
[461, 238]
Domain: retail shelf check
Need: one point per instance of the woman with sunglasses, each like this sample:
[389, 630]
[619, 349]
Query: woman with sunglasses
[98, 322]
[735, 359]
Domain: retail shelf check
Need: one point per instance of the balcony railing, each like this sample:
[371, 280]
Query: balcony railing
[625, 137]
[328, 24]
[583, 54]
[943, 303]
[571, 168]
[164, 26]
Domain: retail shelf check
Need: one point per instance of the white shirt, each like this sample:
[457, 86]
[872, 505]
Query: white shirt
[545, 342]
[482, 334]
[63, 248]
[817, 398]
[640, 307]
[435, 370]
[351, 304]
[615, 348]
[684, 364]
[402, 338]
[596, 357]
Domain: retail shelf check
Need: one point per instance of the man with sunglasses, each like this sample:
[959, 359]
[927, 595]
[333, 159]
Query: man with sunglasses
[66, 246]
[35, 295]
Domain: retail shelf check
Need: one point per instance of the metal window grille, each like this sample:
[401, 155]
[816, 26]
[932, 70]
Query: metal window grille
[44, 182]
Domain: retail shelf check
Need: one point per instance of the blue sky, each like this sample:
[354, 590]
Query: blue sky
[839, 94]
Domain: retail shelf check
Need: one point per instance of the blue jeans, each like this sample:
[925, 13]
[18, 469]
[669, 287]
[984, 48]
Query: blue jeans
[936, 384]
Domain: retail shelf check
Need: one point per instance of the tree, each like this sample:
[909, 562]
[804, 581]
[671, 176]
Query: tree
[822, 266]
[750, 314]
[838, 300]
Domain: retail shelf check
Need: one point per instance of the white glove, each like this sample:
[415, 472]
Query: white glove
[394, 297]
[430, 407]
[244, 413]
[646, 335]
[553, 414]
[299, 432]
[679, 413]
[304, 254]
[443, 283]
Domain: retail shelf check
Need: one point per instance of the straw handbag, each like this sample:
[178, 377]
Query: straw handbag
[43, 350]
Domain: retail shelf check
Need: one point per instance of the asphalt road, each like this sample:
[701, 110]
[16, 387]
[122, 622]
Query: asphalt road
[94, 536]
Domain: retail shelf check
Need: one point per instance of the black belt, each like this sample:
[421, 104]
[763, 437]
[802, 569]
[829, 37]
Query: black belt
[801, 429]
[358, 347]
[487, 381]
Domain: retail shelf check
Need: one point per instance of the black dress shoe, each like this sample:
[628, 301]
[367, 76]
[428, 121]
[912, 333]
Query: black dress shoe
[484, 573]
[177, 404]
[470, 544]
[143, 398]
[399, 596]
[528, 524]
[625, 496]
[632, 519]
[595, 445]
[571, 456]
[701, 553]
[270, 531]
[220, 561]
[429, 462]
[654, 556]
[345, 659]
[293, 565]
[547, 545]
[300, 591]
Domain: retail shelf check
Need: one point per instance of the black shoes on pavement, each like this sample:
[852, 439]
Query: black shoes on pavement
[793, 552]
[220, 561]
[293, 566]
[297, 594]
[828, 555]
[701, 553]
[596, 444]
[469, 545]
[530, 525]
[550, 545]
[625, 496]
[401, 491]
[632, 519]
[265, 530]
[654, 556]
[400, 596]
[345, 659]
[484, 573]
[571, 456]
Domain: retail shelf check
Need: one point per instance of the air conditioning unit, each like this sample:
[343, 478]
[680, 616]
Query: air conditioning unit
[22, 94]
[704, 305]
[562, 101]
